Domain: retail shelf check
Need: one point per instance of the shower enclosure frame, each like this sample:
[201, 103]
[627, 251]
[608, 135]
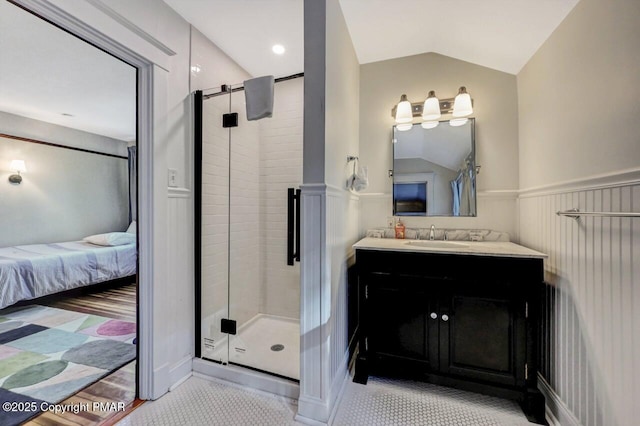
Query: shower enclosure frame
[198, 98]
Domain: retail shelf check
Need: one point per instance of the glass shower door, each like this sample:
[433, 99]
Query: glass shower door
[214, 232]
[264, 291]
[250, 290]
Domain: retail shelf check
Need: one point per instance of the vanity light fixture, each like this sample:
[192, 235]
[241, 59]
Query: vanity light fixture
[17, 166]
[432, 109]
[403, 127]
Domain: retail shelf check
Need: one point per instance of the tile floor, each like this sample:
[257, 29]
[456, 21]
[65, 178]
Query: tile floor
[382, 401]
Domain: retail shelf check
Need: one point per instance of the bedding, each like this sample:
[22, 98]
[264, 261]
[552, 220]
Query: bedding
[31, 271]
[111, 239]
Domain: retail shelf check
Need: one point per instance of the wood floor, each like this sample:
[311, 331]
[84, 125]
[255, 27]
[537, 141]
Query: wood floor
[120, 386]
[118, 303]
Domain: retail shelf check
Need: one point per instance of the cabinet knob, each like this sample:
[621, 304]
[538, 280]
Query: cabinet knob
[445, 317]
[433, 315]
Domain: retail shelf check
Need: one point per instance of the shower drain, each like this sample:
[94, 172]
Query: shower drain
[277, 348]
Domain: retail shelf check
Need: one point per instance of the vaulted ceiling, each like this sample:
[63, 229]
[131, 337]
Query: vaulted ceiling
[499, 34]
[49, 75]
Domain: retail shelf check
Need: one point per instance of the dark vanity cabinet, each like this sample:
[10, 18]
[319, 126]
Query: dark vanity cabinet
[465, 321]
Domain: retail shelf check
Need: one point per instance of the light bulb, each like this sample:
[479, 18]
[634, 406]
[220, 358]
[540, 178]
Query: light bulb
[404, 127]
[431, 109]
[462, 104]
[404, 113]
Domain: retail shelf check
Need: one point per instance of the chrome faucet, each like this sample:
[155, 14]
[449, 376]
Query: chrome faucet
[432, 233]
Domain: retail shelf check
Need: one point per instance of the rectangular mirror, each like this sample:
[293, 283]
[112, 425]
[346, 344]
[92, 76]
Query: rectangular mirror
[434, 170]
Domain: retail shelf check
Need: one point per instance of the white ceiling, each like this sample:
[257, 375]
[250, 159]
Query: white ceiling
[45, 72]
[499, 34]
[247, 30]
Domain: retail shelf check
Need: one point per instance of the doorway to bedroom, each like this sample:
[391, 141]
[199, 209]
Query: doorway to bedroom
[68, 239]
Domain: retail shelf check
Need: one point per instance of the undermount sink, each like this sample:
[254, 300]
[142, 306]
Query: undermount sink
[437, 244]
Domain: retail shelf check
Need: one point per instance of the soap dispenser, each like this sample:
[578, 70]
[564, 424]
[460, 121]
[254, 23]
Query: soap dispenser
[400, 230]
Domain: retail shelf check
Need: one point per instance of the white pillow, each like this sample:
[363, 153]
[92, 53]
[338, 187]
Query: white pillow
[111, 239]
[132, 228]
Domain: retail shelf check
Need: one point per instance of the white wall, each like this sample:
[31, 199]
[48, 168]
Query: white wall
[65, 195]
[496, 111]
[329, 212]
[578, 103]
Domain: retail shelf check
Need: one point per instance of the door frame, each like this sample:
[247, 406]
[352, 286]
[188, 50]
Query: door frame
[67, 22]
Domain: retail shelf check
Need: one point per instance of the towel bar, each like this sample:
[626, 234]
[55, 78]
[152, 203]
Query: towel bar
[576, 213]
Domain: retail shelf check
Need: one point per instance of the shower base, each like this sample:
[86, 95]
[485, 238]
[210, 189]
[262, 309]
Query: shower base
[267, 343]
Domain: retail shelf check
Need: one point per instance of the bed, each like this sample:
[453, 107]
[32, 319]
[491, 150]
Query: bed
[31, 271]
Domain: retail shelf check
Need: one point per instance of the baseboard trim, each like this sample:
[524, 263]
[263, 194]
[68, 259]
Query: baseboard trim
[161, 382]
[317, 408]
[248, 378]
[180, 372]
[556, 410]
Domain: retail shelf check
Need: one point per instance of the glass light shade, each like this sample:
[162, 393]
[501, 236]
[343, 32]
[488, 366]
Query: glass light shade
[404, 127]
[462, 104]
[404, 113]
[278, 49]
[458, 122]
[18, 166]
[430, 124]
[431, 108]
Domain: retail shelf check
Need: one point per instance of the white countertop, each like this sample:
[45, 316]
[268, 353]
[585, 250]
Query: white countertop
[473, 248]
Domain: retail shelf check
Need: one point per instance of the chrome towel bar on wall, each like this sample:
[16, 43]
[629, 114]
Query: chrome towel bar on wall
[576, 213]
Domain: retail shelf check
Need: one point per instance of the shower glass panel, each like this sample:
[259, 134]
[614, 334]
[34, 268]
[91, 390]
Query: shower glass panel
[245, 275]
[214, 229]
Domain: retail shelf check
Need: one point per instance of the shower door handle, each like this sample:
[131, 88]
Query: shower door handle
[293, 226]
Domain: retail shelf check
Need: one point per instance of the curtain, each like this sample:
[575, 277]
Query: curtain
[456, 197]
[464, 186]
[133, 182]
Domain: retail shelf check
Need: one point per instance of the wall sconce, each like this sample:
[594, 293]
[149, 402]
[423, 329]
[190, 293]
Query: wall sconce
[432, 109]
[17, 166]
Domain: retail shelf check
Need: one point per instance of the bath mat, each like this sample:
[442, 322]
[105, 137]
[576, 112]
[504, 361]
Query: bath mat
[48, 354]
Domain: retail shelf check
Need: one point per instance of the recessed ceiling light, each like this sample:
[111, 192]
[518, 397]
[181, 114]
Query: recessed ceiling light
[278, 49]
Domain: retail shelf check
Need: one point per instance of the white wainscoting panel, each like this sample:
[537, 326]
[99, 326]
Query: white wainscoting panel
[591, 305]
[330, 217]
[315, 304]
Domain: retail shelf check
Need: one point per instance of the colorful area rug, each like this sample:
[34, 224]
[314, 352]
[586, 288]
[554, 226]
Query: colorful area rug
[48, 354]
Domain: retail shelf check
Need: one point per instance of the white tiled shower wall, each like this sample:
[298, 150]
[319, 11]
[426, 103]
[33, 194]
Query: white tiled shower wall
[266, 159]
[280, 168]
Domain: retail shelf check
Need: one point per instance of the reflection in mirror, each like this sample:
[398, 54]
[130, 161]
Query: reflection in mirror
[434, 170]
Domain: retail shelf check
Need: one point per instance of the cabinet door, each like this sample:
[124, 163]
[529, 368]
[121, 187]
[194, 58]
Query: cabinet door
[484, 336]
[398, 316]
